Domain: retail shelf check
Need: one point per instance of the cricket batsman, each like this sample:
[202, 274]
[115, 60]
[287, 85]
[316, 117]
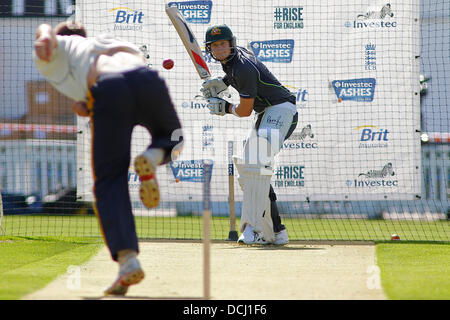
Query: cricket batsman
[275, 120]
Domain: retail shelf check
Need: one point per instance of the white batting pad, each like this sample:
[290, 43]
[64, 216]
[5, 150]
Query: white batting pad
[255, 181]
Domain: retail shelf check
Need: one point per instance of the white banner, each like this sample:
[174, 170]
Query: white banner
[352, 66]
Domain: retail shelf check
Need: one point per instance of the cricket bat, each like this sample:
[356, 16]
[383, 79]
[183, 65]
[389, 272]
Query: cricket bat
[189, 41]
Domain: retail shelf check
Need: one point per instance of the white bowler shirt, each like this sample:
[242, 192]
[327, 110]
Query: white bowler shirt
[69, 64]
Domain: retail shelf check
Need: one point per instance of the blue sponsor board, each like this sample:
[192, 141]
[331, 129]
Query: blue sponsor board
[194, 11]
[355, 89]
[273, 50]
[189, 170]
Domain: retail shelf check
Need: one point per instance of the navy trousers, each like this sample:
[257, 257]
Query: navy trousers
[122, 101]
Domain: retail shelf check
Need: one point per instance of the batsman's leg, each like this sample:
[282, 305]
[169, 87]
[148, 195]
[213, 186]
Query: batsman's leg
[276, 133]
[255, 216]
[274, 213]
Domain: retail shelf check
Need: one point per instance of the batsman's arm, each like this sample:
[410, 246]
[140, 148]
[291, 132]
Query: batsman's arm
[243, 109]
[212, 87]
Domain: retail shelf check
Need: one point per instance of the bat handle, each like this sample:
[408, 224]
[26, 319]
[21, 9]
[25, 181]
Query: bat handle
[213, 92]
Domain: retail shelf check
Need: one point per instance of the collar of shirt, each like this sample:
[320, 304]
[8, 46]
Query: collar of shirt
[229, 63]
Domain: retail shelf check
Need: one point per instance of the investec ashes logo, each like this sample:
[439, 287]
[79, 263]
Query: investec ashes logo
[375, 178]
[127, 19]
[361, 90]
[273, 50]
[194, 11]
[188, 170]
[288, 18]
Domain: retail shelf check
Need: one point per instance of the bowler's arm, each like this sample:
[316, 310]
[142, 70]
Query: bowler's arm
[45, 42]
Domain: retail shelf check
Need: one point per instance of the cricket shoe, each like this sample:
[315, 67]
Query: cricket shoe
[281, 238]
[149, 190]
[259, 239]
[249, 236]
[129, 273]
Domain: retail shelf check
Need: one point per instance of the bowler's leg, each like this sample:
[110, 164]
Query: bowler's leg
[111, 127]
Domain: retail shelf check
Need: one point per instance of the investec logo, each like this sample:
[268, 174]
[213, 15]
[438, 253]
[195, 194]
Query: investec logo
[374, 19]
[198, 105]
[375, 178]
[305, 134]
[273, 50]
[127, 19]
[194, 11]
[355, 89]
[372, 136]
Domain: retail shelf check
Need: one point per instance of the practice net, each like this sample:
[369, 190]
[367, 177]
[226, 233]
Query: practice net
[369, 157]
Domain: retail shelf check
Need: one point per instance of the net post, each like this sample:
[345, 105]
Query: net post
[206, 229]
[232, 234]
[1, 216]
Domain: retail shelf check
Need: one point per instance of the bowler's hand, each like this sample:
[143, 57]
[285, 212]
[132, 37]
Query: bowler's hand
[43, 48]
[45, 42]
[80, 109]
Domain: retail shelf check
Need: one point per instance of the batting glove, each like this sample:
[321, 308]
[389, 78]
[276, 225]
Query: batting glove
[212, 87]
[217, 106]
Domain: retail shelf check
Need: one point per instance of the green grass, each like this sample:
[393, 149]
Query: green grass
[414, 271]
[191, 228]
[29, 263]
[36, 249]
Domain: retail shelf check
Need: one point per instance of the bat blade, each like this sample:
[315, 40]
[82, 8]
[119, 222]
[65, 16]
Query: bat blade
[189, 41]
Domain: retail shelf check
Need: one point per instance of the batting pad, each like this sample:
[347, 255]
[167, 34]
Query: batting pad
[255, 182]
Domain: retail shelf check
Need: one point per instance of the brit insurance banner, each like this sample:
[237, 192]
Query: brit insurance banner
[352, 66]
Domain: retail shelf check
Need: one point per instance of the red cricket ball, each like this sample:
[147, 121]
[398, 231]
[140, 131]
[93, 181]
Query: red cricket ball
[395, 237]
[168, 64]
